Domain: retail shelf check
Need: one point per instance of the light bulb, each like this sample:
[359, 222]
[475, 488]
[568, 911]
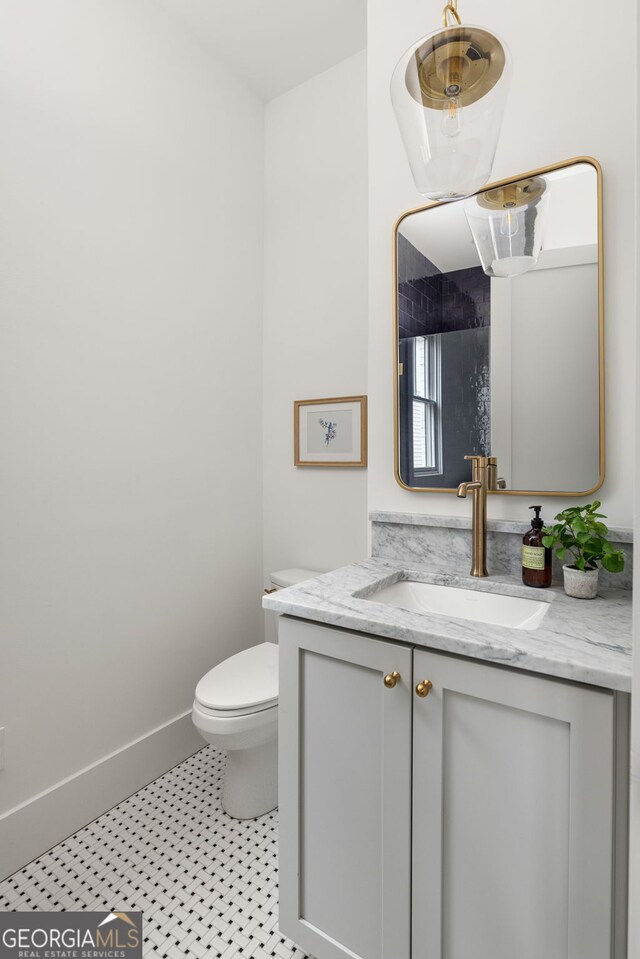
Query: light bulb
[451, 123]
[509, 223]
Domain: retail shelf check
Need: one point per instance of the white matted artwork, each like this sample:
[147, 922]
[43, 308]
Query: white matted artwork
[331, 432]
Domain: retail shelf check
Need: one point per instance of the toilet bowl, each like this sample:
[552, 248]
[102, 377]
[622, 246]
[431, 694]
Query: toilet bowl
[236, 709]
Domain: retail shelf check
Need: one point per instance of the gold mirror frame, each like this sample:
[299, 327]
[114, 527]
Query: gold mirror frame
[396, 371]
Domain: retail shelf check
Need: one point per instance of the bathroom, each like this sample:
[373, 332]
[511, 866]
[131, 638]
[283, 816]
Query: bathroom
[198, 195]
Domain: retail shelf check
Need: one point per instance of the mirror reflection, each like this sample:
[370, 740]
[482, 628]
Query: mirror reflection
[498, 327]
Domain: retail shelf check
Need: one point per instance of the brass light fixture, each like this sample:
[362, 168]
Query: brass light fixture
[507, 225]
[448, 92]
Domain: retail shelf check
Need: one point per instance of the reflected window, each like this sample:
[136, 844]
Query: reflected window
[426, 401]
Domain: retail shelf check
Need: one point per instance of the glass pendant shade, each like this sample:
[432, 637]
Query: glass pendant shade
[448, 92]
[507, 225]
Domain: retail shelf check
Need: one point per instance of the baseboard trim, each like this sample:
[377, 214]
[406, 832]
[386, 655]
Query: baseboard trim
[28, 830]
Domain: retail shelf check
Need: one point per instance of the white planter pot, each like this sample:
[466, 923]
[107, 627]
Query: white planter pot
[581, 585]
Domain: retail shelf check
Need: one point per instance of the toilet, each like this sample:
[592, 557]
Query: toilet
[236, 709]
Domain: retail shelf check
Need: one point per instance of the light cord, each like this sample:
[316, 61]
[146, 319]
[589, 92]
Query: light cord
[451, 9]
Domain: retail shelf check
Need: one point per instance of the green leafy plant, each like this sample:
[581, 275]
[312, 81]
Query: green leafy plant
[580, 539]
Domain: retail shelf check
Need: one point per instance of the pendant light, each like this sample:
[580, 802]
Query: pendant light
[507, 225]
[448, 92]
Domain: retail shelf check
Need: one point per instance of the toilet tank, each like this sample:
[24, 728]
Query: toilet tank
[280, 580]
[291, 577]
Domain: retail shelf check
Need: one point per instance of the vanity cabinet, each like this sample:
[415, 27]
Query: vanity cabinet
[476, 822]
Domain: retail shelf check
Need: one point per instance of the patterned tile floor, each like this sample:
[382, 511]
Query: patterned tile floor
[206, 884]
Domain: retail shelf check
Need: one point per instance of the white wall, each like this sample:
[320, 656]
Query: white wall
[315, 311]
[130, 370]
[530, 426]
[558, 108]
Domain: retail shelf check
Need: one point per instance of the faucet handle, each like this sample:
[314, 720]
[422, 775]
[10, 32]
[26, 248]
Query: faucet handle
[479, 462]
[479, 465]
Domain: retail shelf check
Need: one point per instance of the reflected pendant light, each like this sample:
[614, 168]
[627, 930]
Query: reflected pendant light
[448, 92]
[507, 225]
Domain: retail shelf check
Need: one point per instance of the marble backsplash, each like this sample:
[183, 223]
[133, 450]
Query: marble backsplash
[443, 543]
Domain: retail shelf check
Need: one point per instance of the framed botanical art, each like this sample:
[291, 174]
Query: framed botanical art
[331, 432]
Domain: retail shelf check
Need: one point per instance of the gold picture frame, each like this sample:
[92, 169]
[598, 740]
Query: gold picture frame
[330, 431]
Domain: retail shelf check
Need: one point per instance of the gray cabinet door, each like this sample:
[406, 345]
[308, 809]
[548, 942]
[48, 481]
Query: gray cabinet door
[345, 793]
[512, 815]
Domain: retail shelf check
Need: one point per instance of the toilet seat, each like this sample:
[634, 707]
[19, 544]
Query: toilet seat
[243, 684]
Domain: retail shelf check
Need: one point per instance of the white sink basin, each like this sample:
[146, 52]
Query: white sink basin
[482, 607]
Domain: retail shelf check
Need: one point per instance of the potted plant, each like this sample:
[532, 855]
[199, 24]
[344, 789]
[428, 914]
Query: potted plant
[580, 541]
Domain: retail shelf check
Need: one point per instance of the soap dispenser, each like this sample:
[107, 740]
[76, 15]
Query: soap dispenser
[536, 558]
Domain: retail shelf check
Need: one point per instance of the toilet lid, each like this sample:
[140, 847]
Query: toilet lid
[248, 679]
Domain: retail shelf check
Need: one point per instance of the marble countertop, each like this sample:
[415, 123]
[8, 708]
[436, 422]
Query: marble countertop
[587, 641]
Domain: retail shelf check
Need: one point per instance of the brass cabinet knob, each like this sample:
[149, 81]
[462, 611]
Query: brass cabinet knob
[424, 688]
[391, 679]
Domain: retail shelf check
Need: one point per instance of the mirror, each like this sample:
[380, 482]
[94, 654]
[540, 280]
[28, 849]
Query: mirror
[499, 335]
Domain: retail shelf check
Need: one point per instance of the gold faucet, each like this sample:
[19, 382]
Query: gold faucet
[484, 477]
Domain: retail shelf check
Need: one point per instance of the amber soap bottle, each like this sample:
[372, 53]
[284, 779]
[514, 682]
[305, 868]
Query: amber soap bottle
[536, 558]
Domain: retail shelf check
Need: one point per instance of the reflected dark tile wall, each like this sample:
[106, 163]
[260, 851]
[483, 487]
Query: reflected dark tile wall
[457, 305]
[434, 302]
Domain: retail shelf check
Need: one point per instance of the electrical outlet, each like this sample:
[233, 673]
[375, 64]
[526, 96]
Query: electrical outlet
[2, 731]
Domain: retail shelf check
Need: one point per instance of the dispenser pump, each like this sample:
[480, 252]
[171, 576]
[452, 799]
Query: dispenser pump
[537, 523]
